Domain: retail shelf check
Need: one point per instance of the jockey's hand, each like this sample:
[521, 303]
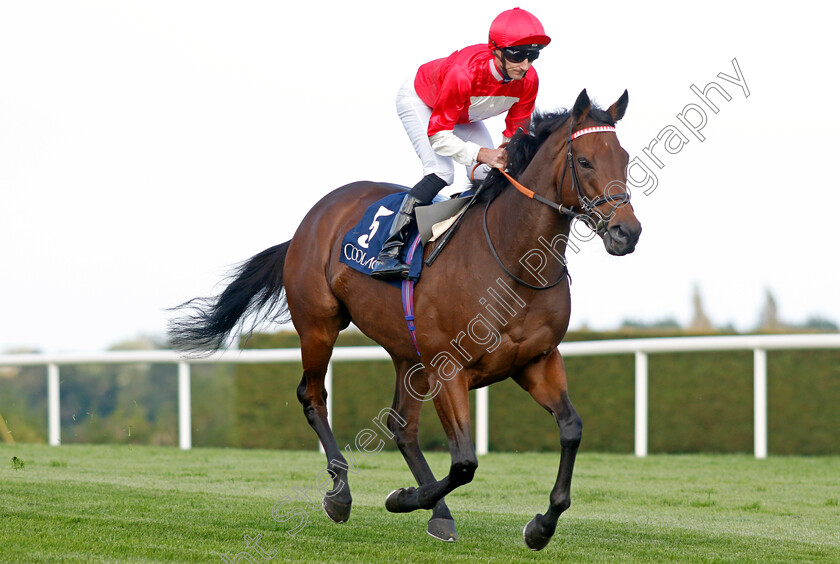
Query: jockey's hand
[495, 158]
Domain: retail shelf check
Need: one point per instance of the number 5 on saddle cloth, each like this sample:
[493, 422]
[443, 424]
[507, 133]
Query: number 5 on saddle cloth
[362, 244]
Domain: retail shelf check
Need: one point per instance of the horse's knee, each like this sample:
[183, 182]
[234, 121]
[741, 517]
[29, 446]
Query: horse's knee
[404, 438]
[397, 425]
[403, 432]
[571, 430]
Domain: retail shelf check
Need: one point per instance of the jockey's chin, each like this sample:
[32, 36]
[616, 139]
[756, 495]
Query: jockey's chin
[516, 71]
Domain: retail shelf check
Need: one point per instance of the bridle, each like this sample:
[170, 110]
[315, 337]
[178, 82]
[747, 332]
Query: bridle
[589, 206]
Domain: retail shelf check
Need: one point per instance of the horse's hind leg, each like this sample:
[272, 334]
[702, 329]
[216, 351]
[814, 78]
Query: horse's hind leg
[403, 423]
[316, 344]
[545, 380]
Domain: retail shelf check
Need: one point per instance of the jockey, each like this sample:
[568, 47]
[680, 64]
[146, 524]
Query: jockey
[442, 109]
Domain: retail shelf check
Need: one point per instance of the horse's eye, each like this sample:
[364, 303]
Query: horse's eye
[584, 163]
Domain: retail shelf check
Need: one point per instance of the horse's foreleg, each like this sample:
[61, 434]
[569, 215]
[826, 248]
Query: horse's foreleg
[453, 408]
[403, 423]
[545, 380]
[316, 348]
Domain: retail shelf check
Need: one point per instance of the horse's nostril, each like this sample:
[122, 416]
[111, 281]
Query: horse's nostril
[618, 233]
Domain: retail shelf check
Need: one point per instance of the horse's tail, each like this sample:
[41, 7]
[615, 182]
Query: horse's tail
[256, 288]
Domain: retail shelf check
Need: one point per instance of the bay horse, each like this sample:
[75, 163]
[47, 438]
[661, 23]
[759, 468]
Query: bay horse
[494, 305]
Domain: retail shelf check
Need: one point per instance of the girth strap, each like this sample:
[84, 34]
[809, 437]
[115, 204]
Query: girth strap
[408, 296]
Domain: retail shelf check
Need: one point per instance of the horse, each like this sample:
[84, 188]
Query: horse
[494, 305]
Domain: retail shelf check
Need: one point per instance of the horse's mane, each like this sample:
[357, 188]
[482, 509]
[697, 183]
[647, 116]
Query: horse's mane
[525, 144]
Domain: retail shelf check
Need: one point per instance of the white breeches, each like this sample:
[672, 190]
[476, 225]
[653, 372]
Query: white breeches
[415, 115]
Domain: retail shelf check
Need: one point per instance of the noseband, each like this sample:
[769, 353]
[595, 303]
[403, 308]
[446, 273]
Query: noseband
[589, 206]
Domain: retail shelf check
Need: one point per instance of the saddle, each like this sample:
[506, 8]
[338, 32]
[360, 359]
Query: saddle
[362, 243]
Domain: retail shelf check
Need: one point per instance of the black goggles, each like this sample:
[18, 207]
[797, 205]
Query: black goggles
[515, 55]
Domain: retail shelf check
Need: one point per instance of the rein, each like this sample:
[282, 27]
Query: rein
[534, 196]
[588, 205]
[508, 272]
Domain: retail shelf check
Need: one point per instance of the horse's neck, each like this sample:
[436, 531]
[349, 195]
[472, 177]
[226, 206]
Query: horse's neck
[528, 231]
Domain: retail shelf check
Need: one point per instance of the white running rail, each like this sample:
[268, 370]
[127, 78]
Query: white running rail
[640, 348]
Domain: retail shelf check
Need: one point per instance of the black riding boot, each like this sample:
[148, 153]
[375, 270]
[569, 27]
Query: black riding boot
[389, 266]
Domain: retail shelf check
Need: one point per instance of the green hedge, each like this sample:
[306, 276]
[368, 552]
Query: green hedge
[699, 402]
[270, 416]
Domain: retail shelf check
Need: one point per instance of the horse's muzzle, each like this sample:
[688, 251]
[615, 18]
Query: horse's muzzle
[620, 239]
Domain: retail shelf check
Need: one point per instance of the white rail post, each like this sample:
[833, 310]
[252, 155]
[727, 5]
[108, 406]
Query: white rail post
[184, 407]
[760, 402]
[53, 406]
[641, 404]
[482, 421]
[328, 385]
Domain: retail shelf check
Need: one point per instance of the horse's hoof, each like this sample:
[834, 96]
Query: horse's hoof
[395, 505]
[533, 537]
[442, 529]
[335, 510]
[392, 502]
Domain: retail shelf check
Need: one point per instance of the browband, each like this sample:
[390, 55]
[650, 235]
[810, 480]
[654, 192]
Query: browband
[595, 129]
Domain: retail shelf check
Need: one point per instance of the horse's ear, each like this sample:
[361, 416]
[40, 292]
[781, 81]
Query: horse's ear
[617, 110]
[581, 107]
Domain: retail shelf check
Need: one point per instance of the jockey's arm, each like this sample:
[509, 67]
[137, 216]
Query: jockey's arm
[467, 153]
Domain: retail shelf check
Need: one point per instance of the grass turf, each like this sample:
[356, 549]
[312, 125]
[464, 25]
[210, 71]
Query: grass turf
[84, 503]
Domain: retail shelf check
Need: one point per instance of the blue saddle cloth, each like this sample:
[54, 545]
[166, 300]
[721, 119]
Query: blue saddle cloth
[362, 244]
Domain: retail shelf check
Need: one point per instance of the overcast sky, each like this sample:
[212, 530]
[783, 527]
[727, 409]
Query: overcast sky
[147, 146]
